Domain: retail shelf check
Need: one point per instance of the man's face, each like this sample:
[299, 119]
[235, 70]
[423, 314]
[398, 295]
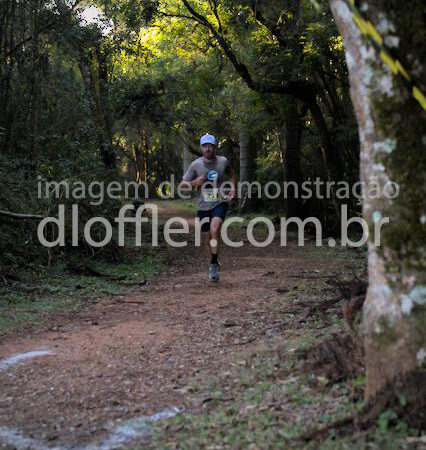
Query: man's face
[208, 150]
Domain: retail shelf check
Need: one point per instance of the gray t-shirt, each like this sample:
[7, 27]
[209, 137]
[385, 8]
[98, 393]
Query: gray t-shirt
[213, 172]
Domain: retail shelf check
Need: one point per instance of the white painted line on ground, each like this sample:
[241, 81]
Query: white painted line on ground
[121, 434]
[132, 429]
[13, 437]
[6, 363]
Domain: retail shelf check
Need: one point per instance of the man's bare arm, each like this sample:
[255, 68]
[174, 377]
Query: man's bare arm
[196, 182]
[233, 180]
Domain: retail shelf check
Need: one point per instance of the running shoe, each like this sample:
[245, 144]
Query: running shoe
[214, 273]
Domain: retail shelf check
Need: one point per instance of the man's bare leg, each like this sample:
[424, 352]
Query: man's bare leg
[207, 238]
[214, 269]
[215, 226]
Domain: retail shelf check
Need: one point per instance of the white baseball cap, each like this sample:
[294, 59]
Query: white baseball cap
[207, 139]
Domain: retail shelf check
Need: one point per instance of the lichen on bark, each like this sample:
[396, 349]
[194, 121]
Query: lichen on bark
[399, 118]
[392, 128]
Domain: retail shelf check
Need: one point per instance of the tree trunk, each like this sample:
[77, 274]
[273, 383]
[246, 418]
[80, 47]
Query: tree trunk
[247, 156]
[34, 83]
[334, 163]
[247, 168]
[290, 147]
[392, 130]
[187, 158]
[98, 109]
[8, 38]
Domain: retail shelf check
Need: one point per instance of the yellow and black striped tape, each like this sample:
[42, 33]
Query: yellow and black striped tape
[367, 28]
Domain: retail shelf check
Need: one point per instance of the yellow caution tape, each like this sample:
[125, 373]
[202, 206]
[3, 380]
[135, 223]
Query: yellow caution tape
[418, 95]
[367, 28]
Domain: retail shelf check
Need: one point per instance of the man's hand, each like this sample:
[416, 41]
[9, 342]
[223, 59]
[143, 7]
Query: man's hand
[198, 182]
[232, 195]
[233, 178]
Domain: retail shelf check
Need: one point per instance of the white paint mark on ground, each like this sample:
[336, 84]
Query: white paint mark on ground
[13, 437]
[121, 434]
[132, 429]
[6, 363]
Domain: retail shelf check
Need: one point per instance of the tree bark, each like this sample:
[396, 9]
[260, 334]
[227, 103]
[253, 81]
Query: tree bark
[247, 156]
[291, 142]
[247, 166]
[392, 131]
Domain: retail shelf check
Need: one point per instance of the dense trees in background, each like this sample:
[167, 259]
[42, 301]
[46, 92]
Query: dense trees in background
[294, 57]
[122, 89]
[126, 93]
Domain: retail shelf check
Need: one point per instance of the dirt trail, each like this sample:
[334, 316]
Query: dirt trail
[132, 355]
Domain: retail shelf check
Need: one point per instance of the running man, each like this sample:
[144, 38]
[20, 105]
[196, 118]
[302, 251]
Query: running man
[207, 173]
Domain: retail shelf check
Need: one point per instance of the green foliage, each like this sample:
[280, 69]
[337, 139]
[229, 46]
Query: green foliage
[126, 92]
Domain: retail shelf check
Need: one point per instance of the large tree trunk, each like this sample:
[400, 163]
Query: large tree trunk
[392, 130]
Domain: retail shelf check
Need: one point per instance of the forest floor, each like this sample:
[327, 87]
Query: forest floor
[241, 364]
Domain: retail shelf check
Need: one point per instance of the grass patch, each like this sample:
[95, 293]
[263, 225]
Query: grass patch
[38, 291]
[264, 401]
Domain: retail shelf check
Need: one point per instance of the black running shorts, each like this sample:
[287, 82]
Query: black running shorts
[218, 211]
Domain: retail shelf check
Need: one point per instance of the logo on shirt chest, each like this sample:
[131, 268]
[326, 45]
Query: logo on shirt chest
[212, 175]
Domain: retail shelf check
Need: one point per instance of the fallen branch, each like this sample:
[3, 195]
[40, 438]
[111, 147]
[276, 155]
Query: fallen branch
[21, 216]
